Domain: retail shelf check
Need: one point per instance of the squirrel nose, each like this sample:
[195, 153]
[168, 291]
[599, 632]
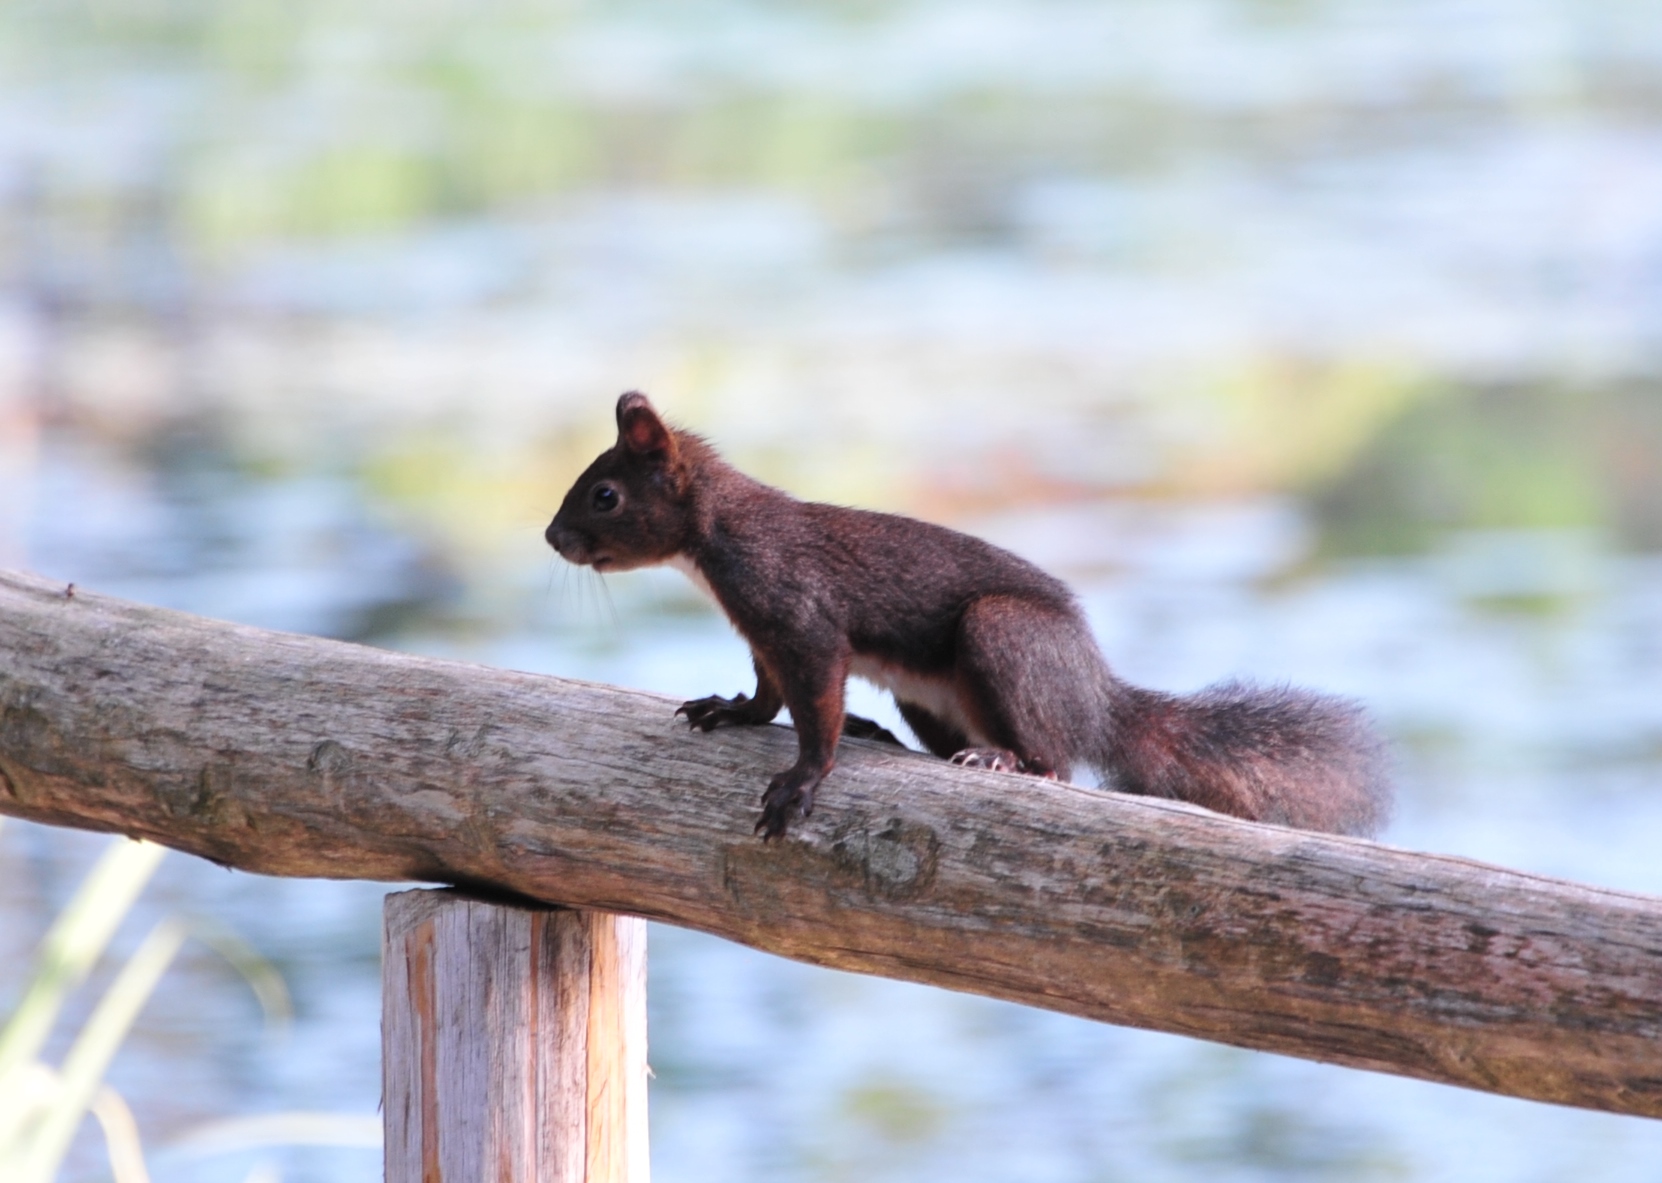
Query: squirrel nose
[563, 539]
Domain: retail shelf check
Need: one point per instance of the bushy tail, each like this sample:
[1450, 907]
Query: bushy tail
[1267, 753]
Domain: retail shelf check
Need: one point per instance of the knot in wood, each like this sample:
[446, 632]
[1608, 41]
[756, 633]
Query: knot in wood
[894, 859]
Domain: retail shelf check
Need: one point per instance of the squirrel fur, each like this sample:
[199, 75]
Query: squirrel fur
[990, 659]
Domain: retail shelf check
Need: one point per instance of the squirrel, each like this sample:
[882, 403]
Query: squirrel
[989, 658]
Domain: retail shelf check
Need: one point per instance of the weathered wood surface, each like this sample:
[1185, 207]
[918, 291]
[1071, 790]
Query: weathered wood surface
[513, 1042]
[293, 756]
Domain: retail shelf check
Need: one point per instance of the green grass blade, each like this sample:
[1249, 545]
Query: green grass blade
[30, 1094]
[263, 977]
[83, 1069]
[121, 1137]
[73, 946]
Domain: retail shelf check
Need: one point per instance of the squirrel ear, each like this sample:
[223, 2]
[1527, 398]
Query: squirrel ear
[640, 430]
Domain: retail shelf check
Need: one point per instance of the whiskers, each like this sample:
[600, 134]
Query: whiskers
[584, 595]
[605, 595]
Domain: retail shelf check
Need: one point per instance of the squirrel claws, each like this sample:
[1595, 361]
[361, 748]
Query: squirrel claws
[1002, 760]
[792, 790]
[992, 759]
[706, 714]
[788, 794]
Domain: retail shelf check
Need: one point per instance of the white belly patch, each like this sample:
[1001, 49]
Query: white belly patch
[938, 696]
[695, 577]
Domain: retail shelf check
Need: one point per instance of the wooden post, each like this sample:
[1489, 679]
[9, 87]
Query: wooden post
[513, 1042]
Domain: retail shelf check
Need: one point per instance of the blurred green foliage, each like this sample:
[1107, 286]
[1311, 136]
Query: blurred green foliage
[327, 119]
[1551, 458]
[228, 131]
[41, 1107]
[897, 1112]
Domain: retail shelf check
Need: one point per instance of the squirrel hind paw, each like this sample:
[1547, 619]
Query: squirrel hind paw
[1002, 760]
[992, 759]
[857, 727]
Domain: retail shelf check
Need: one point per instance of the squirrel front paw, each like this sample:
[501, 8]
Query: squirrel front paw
[706, 714]
[787, 793]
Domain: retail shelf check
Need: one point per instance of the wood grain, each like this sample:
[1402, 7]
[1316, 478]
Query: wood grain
[290, 755]
[513, 1042]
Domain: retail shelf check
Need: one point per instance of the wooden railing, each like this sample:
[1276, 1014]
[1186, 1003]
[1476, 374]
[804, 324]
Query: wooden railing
[291, 755]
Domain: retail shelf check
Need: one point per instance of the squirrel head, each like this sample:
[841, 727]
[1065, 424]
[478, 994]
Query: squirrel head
[632, 506]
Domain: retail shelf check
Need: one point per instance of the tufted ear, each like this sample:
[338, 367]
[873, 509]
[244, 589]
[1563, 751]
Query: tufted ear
[641, 431]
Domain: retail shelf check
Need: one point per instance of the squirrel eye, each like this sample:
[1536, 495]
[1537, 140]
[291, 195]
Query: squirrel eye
[606, 498]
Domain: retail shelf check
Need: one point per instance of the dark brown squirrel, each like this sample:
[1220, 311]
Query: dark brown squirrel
[989, 658]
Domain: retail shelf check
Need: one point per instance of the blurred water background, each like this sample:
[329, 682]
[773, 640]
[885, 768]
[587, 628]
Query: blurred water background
[1311, 339]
